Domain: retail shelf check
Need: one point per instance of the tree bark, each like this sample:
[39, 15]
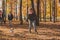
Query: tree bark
[40, 10]
[44, 10]
[21, 21]
[16, 10]
[4, 10]
[50, 11]
[56, 9]
[27, 11]
[53, 10]
[38, 13]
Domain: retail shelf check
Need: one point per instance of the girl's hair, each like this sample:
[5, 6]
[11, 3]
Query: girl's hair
[31, 9]
[0, 11]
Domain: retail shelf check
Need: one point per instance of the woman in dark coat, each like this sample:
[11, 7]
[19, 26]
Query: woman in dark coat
[10, 17]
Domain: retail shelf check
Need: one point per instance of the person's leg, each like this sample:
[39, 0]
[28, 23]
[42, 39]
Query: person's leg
[30, 24]
[4, 20]
[1, 21]
[10, 23]
[11, 29]
[34, 25]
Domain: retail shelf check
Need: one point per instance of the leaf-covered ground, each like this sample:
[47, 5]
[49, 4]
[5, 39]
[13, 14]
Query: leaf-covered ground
[46, 31]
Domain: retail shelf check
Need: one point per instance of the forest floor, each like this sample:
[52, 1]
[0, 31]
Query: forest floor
[46, 31]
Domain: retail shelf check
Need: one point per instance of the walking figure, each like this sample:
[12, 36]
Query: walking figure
[32, 20]
[10, 17]
[0, 17]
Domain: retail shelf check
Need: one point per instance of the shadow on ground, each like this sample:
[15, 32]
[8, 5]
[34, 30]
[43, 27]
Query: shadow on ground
[42, 25]
[51, 26]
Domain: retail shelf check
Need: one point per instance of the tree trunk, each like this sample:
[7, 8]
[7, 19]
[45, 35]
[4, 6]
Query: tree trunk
[40, 9]
[27, 11]
[44, 10]
[38, 4]
[50, 11]
[53, 10]
[56, 9]
[4, 10]
[16, 10]
[21, 21]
